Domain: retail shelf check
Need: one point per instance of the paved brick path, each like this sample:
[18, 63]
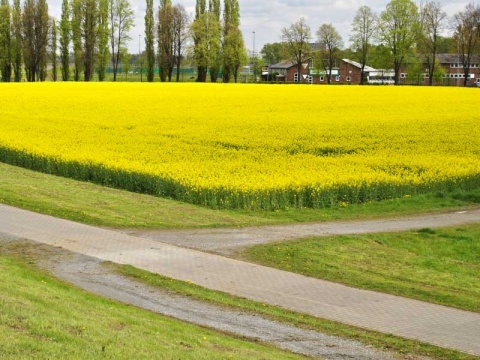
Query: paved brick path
[413, 319]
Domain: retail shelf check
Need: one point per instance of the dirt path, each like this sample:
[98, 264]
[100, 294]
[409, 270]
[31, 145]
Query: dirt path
[434, 324]
[88, 273]
[226, 241]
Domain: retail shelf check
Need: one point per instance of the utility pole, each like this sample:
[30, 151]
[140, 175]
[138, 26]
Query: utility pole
[140, 57]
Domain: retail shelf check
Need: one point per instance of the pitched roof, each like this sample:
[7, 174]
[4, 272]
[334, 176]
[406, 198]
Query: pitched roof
[358, 65]
[455, 58]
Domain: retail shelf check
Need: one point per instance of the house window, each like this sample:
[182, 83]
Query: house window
[322, 79]
[337, 78]
[427, 75]
[478, 81]
[295, 77]
[310, 79]
[349, 79]
[402, 76]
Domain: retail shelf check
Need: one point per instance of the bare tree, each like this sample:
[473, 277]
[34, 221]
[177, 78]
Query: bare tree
[296, 44]
[398, 29]
[181, 24]
[122, 19]
[331, 40]
[467, 36]
[363, 29]
[432, 19]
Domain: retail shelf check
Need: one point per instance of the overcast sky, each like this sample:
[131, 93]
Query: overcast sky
[266, 18]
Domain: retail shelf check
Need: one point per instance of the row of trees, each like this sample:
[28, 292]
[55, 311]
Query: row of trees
[218, 45]
[404, 31]
[94, 34]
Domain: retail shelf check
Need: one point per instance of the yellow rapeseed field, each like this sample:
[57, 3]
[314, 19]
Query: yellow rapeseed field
[247, 146]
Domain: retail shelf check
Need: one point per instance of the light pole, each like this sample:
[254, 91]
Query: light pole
[253, 60]
[139, 57]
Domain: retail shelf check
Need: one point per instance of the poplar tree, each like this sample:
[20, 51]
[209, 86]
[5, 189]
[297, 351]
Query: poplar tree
[35, 30]
[53, 48]
[65, 36]
[200, 39]
[149, 41]
[103, 39]
[214, 39]
[89, 34]
[5, 41]
[17, 43]
[180, 34]
[76, 27]
[234, 54]
[165, 40]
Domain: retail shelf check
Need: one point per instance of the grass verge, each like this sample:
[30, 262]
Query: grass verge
[436, 265]
[43, 318]
[97, 205]
[407, 349]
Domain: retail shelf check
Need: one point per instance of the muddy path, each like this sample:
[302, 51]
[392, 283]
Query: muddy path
[88, 273]
[227, 241]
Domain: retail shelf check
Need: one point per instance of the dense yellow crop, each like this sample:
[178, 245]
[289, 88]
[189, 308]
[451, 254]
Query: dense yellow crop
[247, 146]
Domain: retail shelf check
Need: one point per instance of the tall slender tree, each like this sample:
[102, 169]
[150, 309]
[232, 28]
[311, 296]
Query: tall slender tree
[76, 27]
[166, 60]
[234, 54]
[363, 29]
[200, 40]
[5, 41]
[150, 41]
[53, 47]
[17, 40]
[90, 36]
[215, 34]
[121, 22]
[180, 34]
[103, 32]
[65, 36]
[35, 28]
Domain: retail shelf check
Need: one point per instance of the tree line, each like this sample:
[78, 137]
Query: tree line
[403, 33]
[92, 34]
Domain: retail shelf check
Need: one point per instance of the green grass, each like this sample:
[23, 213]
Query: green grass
[43, 318]
[97, 205]
[436, 265]
[407, 349]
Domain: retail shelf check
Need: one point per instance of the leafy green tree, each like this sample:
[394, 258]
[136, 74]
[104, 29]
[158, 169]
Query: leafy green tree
[121, 23]
[17, 41]
[233, 56]
[76, 27]
[35, 29]
[103, 32]
[272, 53]
[5, 41]
[398, 29]
[296, 43]
[166, 60]
[332, 42]
[363, 29]
[149, 41]
[215, 47]
[126, 60]
[200, 34]
[53, 48]
[90, 36]
[65, 36]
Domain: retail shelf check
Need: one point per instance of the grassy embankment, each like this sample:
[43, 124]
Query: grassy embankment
[436, 265]
[98, 205]
[43, 318]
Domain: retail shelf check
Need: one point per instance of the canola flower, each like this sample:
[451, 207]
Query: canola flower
[247, 146]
